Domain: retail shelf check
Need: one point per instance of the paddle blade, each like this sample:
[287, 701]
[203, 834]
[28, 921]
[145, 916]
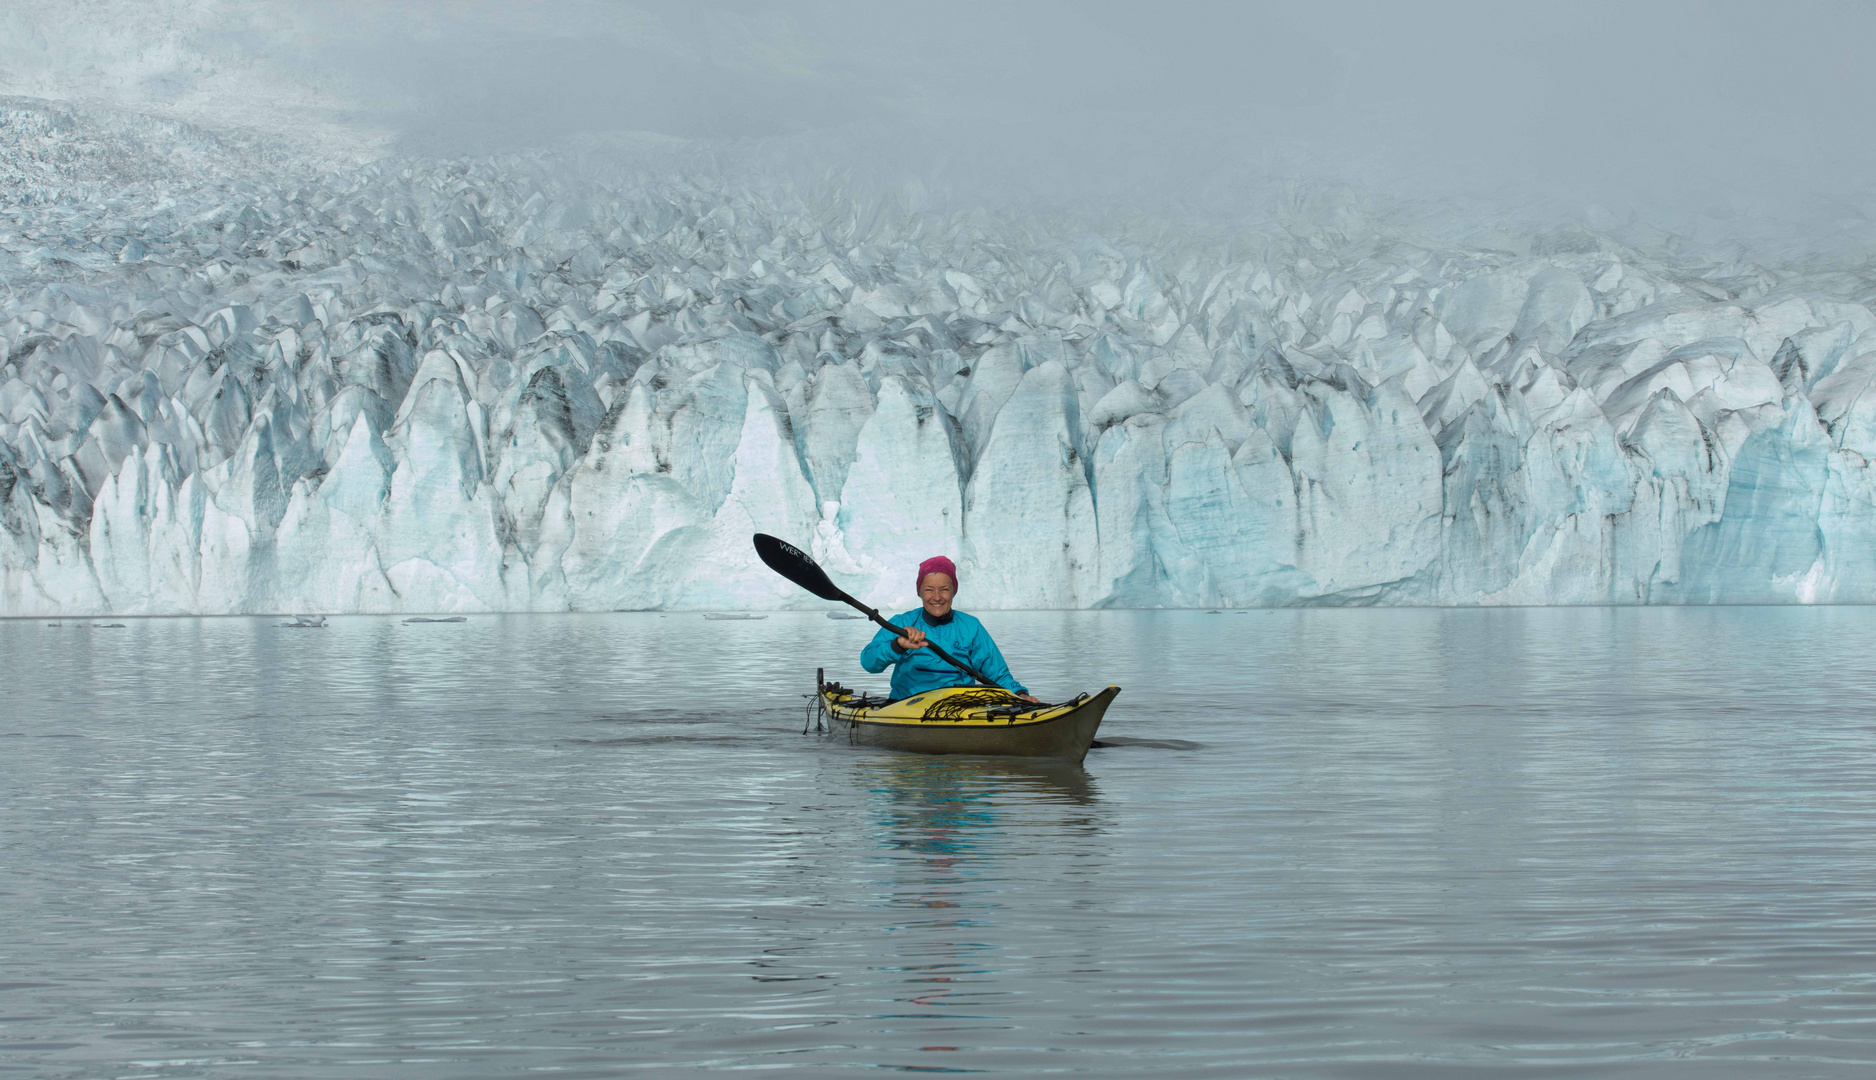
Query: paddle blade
[793, 563]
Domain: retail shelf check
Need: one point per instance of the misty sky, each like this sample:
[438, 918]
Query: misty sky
[1759, 103]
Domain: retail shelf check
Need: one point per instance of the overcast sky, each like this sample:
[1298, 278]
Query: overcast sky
[1764, 104]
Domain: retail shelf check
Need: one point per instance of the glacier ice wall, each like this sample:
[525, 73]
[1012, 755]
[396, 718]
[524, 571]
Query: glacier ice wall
[509, 384]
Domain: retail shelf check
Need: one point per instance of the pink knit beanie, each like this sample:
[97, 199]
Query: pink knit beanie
[937, 564]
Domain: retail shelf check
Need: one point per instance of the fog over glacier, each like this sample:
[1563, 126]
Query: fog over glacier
[354, 311]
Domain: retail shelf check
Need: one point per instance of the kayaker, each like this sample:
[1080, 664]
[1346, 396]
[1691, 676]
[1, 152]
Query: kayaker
[916, 668]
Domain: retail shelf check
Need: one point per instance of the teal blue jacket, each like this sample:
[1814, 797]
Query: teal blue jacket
[920, 670]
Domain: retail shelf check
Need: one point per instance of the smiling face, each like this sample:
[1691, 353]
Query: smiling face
[936, 591]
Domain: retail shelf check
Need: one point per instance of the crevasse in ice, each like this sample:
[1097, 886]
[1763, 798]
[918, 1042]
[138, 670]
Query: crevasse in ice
[503, 384]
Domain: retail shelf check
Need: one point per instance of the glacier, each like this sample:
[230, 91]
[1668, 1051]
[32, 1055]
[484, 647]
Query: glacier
[238, 383]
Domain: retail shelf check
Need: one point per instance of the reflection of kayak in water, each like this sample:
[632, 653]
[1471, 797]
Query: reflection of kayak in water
[969, 720]
[935, 783]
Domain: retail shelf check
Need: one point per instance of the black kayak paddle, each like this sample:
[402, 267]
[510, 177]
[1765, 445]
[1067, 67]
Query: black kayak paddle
[793, 563]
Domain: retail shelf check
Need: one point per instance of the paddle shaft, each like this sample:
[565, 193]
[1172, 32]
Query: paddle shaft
[899, 631]
[794, 564]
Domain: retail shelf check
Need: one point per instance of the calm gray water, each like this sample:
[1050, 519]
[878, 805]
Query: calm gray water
[1372, 843]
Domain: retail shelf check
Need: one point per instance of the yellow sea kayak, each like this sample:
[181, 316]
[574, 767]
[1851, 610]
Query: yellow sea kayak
[968, 720]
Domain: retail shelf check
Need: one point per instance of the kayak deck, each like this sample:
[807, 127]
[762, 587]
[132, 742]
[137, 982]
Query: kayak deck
[969, 720]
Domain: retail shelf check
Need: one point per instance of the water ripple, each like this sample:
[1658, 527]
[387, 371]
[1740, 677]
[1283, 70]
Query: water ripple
[1390, 843]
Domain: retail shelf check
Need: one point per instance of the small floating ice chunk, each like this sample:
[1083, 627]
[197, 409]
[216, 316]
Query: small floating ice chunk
[713, 616]
[452, 618]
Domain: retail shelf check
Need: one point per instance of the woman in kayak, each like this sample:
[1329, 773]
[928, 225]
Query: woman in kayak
[916, 668]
